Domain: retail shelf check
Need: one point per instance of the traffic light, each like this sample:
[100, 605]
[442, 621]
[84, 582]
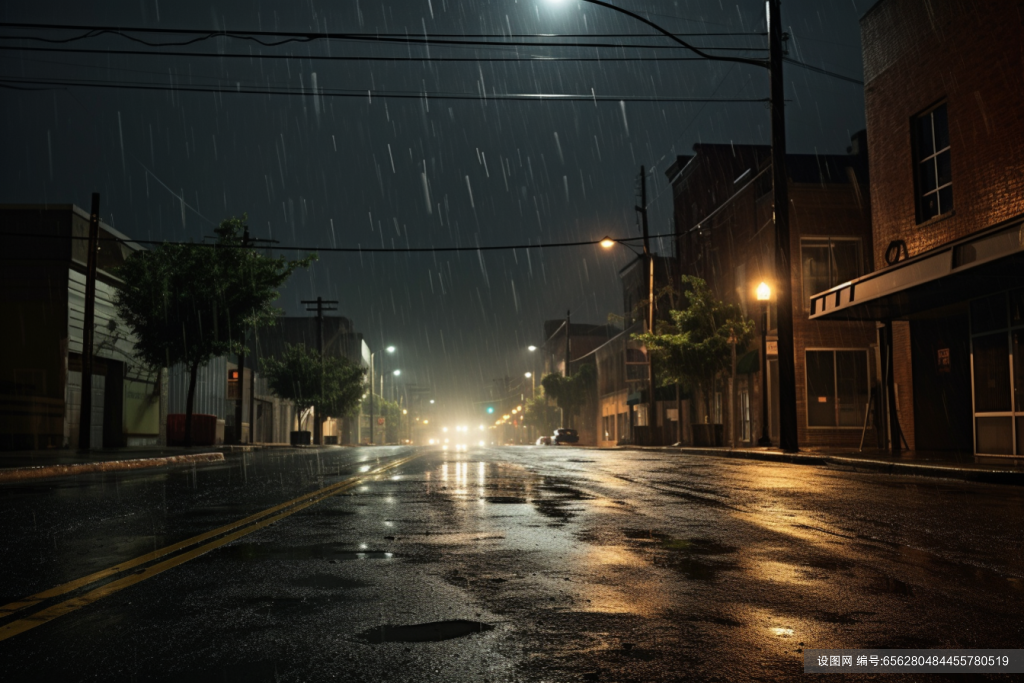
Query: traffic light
[490, 410]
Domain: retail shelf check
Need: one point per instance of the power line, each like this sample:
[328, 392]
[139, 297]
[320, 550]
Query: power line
[824, 72]
[349, 250]
[345, 58]
[51, 84]
[308, 37]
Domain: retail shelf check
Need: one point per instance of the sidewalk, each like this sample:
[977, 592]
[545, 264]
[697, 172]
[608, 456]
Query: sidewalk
[26, 465]
[926, 464]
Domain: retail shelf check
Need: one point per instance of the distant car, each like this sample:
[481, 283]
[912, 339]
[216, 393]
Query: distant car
[544, 441]
[565, 436]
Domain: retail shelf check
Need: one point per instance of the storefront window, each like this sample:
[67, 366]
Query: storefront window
[837, 388]
[991, 374]
[997, 357]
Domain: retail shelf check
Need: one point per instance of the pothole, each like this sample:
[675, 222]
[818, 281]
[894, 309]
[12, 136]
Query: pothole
[432, 632]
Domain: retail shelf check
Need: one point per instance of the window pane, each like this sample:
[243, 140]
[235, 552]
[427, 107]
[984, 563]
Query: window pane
[991, 373]
[845, 261]
[1018, 370]
[939, 121]
[816, 279]
[946, 199]
[994, 435]
[926, 182]
[988, 314]
[852, 387]
[929, 206]
[821, 389]
[1020, 436]
[945, 168]
[924, 136]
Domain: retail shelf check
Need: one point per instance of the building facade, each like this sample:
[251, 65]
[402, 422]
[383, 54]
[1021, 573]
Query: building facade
[725, 235]
[944, 92]
[42, 301]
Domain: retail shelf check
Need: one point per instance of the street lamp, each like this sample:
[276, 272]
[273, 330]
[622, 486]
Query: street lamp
[648, 263]
[788, 438]
[764, 294]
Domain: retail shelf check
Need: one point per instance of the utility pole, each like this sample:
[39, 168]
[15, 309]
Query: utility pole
[788, 439]
[648, 275]
[318, 427]
[371, 398]
[568, 337]
[88, 328]
[247, 242]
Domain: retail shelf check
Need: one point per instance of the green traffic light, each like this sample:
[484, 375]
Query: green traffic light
[490, 410]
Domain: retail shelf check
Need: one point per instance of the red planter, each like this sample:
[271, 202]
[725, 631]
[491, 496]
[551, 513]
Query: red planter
[204, 429]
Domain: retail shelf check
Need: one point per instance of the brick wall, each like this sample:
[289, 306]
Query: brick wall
[731, 246]
[969, 54]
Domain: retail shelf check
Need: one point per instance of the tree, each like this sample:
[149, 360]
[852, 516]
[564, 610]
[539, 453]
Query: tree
[696, 346]
[332, 387]
[390, 411]
[570, 392]
[189, 303]
[540, 414]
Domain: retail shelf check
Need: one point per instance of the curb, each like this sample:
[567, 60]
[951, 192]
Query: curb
[45, 471]
[1005, 477]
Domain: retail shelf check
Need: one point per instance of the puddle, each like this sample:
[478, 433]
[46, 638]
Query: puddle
[698, 546]
[423, 633]
[267, 551]
[505, 500]
[328, 581]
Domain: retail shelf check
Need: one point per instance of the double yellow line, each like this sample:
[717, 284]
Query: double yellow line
[203, 543]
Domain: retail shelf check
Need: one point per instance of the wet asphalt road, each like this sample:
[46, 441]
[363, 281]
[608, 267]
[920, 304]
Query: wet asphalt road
[525, 564]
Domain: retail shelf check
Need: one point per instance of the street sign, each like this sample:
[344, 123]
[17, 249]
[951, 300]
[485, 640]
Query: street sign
[773, 348]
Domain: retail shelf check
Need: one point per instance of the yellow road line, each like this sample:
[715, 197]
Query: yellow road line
[308, 499]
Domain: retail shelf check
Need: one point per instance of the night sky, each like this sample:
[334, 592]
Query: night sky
[426, 171]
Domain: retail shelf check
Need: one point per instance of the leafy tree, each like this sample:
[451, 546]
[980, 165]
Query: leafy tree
[331, 386]
[570, 392]
[189, 303]
[696, 346]
[390, 411]
[540, 414]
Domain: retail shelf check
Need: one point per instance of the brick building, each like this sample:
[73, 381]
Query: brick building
[944, 93]
[725, 235]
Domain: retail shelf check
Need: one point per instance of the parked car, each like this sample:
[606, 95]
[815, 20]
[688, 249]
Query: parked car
[544, 441]
[565, 436]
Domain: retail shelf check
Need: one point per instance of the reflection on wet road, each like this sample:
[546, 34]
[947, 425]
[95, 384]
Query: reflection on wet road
[543, 564]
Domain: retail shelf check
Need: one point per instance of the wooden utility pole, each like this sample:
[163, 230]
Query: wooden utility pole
[89, 328]
[318, 427]
[788, 439]
[648, 275]
[247, 242]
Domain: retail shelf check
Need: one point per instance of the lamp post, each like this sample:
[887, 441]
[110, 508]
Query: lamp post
[648, 271]
[764, 293]
[788, 438]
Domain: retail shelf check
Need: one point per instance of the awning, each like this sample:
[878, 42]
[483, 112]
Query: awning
[985, 262]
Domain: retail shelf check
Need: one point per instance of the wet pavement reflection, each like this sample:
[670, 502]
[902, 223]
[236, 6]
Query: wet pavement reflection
[508, 564]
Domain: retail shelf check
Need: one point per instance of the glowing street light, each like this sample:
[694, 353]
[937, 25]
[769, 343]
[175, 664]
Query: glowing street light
[531, 347]
[607, 243]
[764, 294]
